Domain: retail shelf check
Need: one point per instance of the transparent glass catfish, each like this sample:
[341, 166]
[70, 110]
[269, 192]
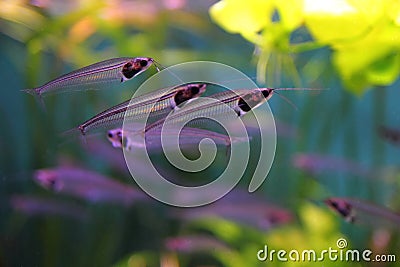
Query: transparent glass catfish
[188, 137]
[157, 104]
[363, 212]
[111, 70]
[240, 100]
[240, 207]
[41, 206]
[88, 185]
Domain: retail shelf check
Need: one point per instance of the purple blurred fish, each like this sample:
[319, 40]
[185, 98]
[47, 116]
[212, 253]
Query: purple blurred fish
[88, 185]
[31, 205]
[240, 207]
[194, 243]
[360, 211]
[316, 163]
[188, 137]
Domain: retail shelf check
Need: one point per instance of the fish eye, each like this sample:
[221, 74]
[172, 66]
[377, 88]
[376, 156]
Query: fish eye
[266, 93]
[195, 90]
[334, 204]
[52, 183]
[243, 105]
[143, 63]
[128, 65]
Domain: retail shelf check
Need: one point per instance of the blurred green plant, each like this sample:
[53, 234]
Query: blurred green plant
[317, 229]
[363, 35]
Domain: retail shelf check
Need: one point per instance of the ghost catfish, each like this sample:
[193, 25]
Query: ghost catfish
[155, 104]
[111, 70]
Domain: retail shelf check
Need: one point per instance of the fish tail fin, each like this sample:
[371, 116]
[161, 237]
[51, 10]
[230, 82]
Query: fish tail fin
[38, 96]
[74, 133]
[31, 91]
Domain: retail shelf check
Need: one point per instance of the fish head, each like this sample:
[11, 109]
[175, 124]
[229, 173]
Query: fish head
[251, 100]
[142, 62]
[267, 93]
[197, 89]
[306, 162]
[278, 216]
[188, 92]
[342, 207]
[136, 66]
[48, 179]
[115, 137]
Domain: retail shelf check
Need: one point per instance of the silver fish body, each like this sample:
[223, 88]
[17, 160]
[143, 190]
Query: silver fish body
[155, 105]
[111, 70]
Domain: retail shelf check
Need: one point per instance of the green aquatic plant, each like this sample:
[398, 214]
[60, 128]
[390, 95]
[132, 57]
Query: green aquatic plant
[364, 36]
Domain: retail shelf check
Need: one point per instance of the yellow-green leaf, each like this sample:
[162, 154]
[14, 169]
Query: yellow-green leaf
[290, 13]
[237, 16]
[384, 71]
[334, 20]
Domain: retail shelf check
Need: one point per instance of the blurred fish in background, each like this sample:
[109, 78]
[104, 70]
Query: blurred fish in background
[362, 212]
[39, 206]
[88, 185]
[242, 208]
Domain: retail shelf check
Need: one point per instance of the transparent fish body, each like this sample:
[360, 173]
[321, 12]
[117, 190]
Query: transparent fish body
[241, 101]
[318, 163]
[194, 243]
[240, 207]
[188, 137]
[155, 105]
[111, 70]
[86, 184]
[363, 212]
[35, 206]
